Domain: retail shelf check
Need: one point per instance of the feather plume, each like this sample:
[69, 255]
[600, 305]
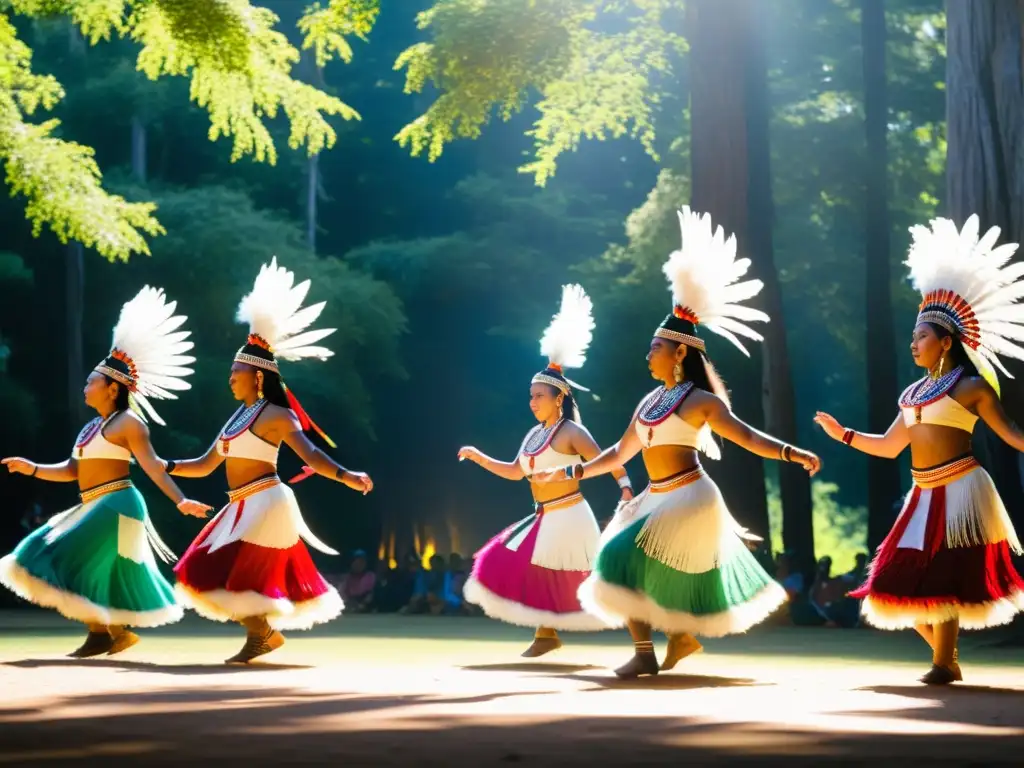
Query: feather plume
[971, 265]
[567, 338]
[272, 311]
[147, 331]
[705, 278]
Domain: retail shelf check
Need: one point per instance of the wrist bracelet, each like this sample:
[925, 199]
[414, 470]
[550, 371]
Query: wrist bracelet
[170, 466]
[787, 452]
[35, 469]
[848, 436]
[624, 482]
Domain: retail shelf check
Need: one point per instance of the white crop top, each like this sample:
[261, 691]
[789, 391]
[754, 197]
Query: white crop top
[91, 444]
[928, 402]
[537, 455]
[238, 441]
[657, 422]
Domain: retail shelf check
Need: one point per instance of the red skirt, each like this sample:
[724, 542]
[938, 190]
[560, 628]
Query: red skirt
[947, 557]
[250, 560]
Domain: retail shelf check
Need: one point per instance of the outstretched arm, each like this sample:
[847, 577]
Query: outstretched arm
[136, 434]
[509, 470]
[725, 423]
[585, 445]
[986, 404]
[887, 446]
[200, 467]
[65, 472]
[609, 460]
[290, 429]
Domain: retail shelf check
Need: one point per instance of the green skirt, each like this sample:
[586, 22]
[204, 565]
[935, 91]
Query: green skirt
[94, 563]
[675, 558]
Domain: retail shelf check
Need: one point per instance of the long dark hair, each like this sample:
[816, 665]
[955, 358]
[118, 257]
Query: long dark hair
[957, 354]
[121, 401]
[699, 369]
[273, 389]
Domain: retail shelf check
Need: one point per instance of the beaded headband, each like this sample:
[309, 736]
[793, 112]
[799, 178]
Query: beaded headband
[952, 312]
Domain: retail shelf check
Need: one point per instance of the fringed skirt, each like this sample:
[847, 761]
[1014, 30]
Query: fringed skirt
[948, 555]
[94, 563]
[529, 573]
[250, 560]
[674, 558]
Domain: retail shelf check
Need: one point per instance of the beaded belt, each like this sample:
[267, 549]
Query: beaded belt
[251, 489]
[91, 494]
[944, 474]
[561, 502]
[677, 481]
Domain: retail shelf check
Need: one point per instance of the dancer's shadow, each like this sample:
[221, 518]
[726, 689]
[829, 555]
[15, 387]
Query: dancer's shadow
[942, 692]
[529, 666]
[668, 682]
[164, 669]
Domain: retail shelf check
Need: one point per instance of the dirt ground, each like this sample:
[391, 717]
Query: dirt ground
[431, 691]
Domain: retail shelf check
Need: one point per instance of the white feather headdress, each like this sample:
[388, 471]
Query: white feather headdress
[703, 276]
[567, 338]
[276, 322]
[147, 351]
[968, 287]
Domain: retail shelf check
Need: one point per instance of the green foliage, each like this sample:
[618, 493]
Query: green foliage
[840, 532]
[219, 226]
[240, 70]
[488, 57]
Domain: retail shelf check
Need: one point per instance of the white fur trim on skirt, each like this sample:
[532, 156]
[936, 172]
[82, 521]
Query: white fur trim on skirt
[223, 605]
[512, 612]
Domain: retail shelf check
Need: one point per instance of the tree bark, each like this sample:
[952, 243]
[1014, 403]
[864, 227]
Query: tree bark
[74, 301]
[880, 344]
[138, 149]
[985, 167]
[731, 181]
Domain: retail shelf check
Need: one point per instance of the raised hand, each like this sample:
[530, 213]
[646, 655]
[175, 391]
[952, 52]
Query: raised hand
[831, 427]
[19, 466]
[471, 453]
[806, 459]
[358, 481]
[193, 508]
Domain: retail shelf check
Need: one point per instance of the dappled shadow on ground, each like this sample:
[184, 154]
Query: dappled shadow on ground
[262, 724]
[216, 668]
[539, 667]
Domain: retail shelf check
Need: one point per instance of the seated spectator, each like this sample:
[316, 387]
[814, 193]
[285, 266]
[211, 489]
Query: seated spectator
[357, 587]
[433, 591]
[394, 592]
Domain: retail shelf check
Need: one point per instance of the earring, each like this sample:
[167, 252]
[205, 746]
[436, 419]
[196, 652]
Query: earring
[677, 371]
[259, 387]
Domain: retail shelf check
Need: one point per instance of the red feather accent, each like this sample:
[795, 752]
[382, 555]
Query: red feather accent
[306, 472]
[304, 419]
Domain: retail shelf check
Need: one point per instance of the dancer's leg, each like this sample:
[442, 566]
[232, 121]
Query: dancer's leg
[545, 640]
[679, 647]
[260, 639]
[644, 662]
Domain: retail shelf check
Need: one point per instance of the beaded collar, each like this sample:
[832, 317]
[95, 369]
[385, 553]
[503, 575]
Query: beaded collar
[662, 403]
[539, 438]
[928, 390]
[242, 420]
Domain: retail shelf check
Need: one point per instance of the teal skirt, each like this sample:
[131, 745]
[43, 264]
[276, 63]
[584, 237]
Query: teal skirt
[675, 559]
[95, 563]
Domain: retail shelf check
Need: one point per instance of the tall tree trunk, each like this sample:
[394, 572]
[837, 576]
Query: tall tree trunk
[312, 190]
[985, 167]
[138, 148]
[779, 398]
[74, 301]
[880, 344]
[74, 291]
[731, 181]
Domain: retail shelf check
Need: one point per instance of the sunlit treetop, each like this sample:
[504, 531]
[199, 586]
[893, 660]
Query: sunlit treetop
[239, 65]
[594, 63]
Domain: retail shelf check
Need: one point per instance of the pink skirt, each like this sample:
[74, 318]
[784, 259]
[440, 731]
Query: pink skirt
[529, 573]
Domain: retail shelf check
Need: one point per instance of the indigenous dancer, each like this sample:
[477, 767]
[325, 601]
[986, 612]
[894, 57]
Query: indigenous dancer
[529, 573]
[674, 559]
[250, 564]
[946, 563]
[94, 563]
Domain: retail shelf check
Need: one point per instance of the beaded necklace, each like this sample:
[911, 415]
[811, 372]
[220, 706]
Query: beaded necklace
[240, 422]
[661, 404]
[89, 431]
[538, 439]
[928, 390]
